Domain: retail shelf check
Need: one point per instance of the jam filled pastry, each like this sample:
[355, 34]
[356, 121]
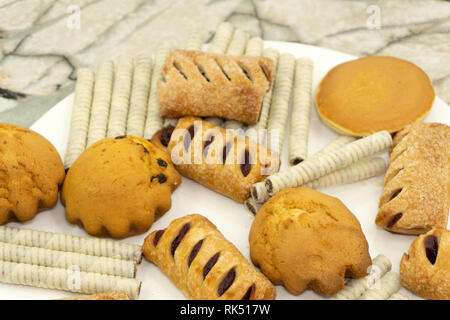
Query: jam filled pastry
[425, 269]
[203, 264]
[226, 163]
[416, 190]
[201, 84]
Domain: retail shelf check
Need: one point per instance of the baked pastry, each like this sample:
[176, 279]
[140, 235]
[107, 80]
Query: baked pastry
[31, 172]
[203, 264]
[110, 295]
[375, 93]
[203, 84]
[425, 269]
[221, 161]
[119, 186]
[303, 239]
[416, 194]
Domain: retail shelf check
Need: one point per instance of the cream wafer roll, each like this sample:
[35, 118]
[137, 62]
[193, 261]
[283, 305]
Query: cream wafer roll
[238, 43]
[251, 205]
[219, 44]
[311, 170]
[259, 192]
[60, 259]
[120, 100]
[280, 102]
[222, 38]
[254, 47]
[237, 47]
[194, 41]
[398, 296]
[256, 132]
[154, 122]
[79, 123]
[383, 288]
[68, 243]
[356, 287]
[361, 170]
[71, 279]
[101, 102]
[139, 96]
[301, 109]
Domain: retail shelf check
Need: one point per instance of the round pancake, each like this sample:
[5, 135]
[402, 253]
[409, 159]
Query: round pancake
[374, 93]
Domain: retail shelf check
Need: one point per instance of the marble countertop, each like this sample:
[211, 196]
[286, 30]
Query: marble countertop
[42, 42]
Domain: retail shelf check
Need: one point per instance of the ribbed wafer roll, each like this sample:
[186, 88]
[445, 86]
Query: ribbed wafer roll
[383, 288]
[354, 288]
[154, 122]
[203, 264]
[139, 95]
[120, 100]
[254, 47]
[280, 102]
[194, 41]
[301, 107]
[257, 132]
[360, 170]
[310, 170]
[219, 44]
[79, 123]
[98, 122]
[259, 190]
[60, 259]
[66, 279]
[69, 243]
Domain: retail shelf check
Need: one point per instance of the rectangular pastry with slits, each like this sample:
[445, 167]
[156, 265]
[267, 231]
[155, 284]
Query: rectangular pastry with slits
[203, 264]
[226, 163]
[196, 83]
[416, 194]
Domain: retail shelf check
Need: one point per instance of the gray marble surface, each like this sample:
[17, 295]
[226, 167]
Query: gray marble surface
[42, 42]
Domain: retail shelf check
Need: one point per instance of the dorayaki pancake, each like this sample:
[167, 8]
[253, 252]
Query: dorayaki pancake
[374, 93]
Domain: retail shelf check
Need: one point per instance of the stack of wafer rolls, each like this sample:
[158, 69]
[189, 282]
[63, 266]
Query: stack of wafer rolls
[68, 263]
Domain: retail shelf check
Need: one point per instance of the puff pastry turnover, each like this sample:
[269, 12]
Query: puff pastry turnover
[416, 192]
[226, 163]
[203, 264]
[202, 84]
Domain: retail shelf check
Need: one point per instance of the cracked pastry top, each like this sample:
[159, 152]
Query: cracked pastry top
[119, 186]
[196, 83]
[31, 172]
[304, 239]
[416, 193]
[375, 93]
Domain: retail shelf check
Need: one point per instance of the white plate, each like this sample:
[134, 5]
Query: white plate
[232, 219]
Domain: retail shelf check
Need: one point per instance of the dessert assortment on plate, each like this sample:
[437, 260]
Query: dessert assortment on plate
[219, 118]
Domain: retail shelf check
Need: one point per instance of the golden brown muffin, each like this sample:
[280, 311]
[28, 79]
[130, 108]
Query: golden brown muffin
[203, 264]
[416, 193]
[31, 172]
[304, 239]
[425, 271]
[119, 186]
[375, 93]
